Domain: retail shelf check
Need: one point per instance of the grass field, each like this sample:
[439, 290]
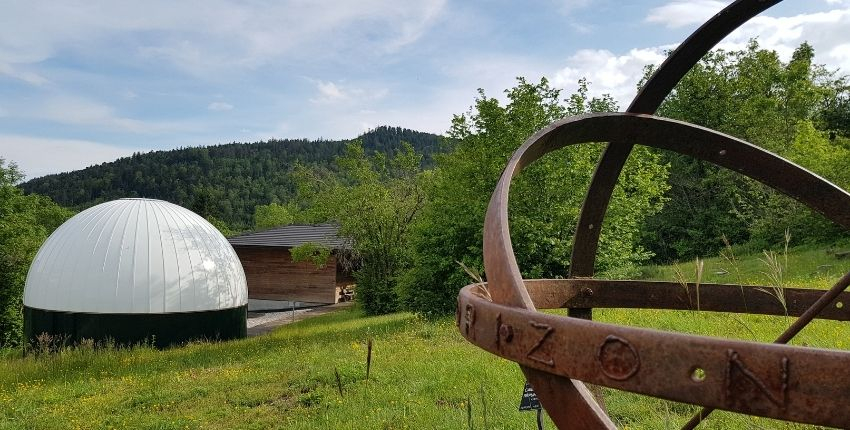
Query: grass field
[423, 374]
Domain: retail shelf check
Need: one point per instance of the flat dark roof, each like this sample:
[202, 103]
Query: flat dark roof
[288, 236]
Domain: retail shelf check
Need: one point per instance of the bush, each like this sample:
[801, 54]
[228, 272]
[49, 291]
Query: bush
[315, 253]
[25, 222]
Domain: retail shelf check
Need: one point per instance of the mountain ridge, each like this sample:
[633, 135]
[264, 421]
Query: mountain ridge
[225, 181]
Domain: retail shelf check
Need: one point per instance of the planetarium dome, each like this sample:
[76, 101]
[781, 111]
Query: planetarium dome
[134, 270]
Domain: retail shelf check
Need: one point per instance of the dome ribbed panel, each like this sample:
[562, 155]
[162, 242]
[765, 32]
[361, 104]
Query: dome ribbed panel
[136, 256]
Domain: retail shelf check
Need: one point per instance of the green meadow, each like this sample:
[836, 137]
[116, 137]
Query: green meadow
[423, 374]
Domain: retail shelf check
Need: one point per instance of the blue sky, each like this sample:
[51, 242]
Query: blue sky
[83, 82]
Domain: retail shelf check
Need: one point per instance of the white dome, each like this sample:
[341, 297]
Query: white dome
[136, 256]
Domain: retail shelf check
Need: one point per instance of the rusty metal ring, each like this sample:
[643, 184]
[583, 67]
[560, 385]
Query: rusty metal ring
[647, 101]
[778, 381]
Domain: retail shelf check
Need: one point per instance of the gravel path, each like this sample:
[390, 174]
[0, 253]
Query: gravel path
[264, 322]
[260, 318]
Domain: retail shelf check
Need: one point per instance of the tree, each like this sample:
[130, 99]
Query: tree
[545, 199]
[374, 199]
[750, 94]
[830, 158]
[834, 116]
[25, 222]
[206, 201]
[221, 226]
[273, 215]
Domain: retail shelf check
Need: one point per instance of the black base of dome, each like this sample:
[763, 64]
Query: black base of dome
[159, 330]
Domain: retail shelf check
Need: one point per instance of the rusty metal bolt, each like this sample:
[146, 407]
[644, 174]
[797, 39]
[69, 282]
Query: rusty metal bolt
[506, 332]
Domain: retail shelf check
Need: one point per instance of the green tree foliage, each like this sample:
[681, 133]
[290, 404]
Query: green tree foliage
[225, 181]
[221, 226]
[834, 117]
[25, 222]
[750, 94]
[273, 215]
[812, 149]
[545, 199]
[374, 199]
[314, 253]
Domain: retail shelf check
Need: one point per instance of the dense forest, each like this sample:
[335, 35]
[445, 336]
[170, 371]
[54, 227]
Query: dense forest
[224, 182]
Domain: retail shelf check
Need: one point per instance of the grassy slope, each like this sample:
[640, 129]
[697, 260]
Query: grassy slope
[422, 376]
[807, 267]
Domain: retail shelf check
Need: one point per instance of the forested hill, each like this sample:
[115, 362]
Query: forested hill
[223, 181]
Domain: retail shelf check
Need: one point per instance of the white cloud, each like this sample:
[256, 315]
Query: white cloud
[414, 27]
[220, 106]
[29, 77]
[331, 93]
[212, 37]
[607, 72]
[328, 92]
[825, 31]
[88, 114]
[569, 6]
[41, 156]
[84, 112]
[581, 28]
[681, 13]
[618, 74]
[841, 54]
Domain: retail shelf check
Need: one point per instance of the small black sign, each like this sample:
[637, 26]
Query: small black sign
[529, 400]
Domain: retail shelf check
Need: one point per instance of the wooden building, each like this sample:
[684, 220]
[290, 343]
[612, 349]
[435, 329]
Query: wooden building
[271, 273]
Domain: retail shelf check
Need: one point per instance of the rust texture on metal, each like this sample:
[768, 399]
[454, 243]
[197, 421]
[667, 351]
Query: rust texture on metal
[558, 355]
[618, 358]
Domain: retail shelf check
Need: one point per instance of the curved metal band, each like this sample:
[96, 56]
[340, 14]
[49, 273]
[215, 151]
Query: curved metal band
[586, 239]
[506, 286]
[699, 142]
[749, 299]
[778, 381]
[659, 85]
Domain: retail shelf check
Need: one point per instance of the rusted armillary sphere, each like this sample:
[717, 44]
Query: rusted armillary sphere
[558, 353]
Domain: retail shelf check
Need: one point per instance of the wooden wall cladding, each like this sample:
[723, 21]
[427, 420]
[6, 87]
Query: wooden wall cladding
[272, 275]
